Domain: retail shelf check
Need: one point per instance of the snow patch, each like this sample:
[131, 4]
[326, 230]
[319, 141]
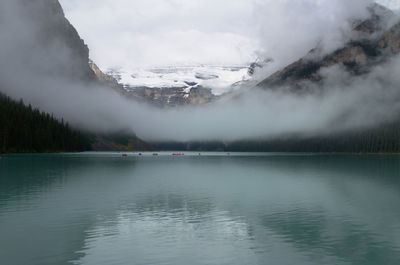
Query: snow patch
[218, 78]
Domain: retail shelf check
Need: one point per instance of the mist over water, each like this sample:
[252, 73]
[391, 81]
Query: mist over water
[44, 75]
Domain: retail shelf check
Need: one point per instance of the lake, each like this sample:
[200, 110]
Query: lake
[212, 208]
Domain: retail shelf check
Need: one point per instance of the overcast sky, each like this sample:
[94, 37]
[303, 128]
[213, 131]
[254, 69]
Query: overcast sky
[143, 33]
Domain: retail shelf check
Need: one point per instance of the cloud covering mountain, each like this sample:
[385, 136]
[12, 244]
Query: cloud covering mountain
[128, 34]
[38, 64]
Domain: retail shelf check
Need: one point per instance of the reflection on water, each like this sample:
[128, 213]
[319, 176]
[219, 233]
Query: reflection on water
[269, 209]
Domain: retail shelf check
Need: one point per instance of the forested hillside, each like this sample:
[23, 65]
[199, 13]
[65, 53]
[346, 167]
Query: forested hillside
[383, 139]
[24, 129]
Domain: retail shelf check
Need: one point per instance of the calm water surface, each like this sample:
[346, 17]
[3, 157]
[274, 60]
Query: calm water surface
[209, 209]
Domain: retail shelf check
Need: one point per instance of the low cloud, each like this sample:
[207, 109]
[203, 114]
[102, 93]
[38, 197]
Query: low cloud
[136, 33]
[344, 103]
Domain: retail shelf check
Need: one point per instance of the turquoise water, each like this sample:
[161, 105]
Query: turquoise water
[213, 208]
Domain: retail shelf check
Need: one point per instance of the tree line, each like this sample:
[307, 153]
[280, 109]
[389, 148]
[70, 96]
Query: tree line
[25, 129]
[380, 139]
[385, 139]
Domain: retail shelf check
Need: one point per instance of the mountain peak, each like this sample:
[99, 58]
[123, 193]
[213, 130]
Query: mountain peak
[374, 39]
[380, 18]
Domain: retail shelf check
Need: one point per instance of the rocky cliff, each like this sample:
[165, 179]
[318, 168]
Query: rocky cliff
[169, 97]
[66, 53]
[38, 44]
[372, 44]
[165, 87]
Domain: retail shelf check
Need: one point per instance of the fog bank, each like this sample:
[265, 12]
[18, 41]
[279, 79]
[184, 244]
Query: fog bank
[343, 103]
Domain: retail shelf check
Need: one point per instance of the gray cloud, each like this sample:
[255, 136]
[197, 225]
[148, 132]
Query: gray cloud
[135, 33]
[290, 29]
[393, 4]
[354, 102]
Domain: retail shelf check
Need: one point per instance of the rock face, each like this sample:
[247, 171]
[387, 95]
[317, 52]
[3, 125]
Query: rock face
[61, 53]
[38, 42]
[102, 77]
[105, 79]
[168, 97]
[372, 45]
[200, 96]
[378, 21]
[67, 54]
[391, 40]
[171, 86]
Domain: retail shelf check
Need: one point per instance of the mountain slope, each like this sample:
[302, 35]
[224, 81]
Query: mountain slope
[39, 48]
[167, 87]
[67, 54]
[371, 45]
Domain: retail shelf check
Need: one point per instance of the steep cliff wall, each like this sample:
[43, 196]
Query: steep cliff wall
[44, 61]
[48, 42]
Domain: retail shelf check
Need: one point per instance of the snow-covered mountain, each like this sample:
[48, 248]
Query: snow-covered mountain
[218, 79]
